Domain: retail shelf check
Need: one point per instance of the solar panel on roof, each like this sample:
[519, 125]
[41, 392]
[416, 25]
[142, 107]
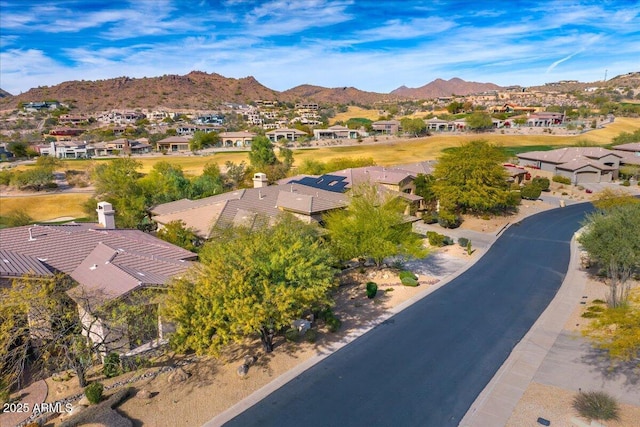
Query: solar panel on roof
[327, 182]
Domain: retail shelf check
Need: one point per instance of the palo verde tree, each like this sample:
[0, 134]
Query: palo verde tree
[471, 179]
[617, 329]
[250, 282]
[372, 227]
[611, 239]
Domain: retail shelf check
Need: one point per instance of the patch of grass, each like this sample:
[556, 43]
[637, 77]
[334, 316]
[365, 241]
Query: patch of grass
[46, 207]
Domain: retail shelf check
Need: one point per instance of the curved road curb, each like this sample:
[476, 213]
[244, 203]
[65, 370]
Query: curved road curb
[495, 404]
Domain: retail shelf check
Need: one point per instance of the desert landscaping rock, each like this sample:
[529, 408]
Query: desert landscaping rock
[143, 394]
[242, 370]
[178, 376]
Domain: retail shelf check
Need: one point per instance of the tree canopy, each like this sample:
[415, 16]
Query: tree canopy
[415, 126]
[611, 239]
[250, 282]
[372, 227]
[479, 120]
[471, 179]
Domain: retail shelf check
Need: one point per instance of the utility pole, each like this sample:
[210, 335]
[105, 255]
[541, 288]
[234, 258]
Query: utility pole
[605, 75]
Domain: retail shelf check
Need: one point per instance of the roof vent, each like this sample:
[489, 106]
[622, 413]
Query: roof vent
[93, 267]
[31, 238]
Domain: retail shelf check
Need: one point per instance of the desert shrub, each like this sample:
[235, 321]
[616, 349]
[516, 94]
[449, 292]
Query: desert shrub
[372, 290]
[447, 241]
[111, 365]
[462, 241]
[564, 193]
[596, 405]
[409, 281]
[542, 183]
[311, 335]
[5, 177]
[514, 186]
[449, 220]
[291, 334]
[94, 392]
[430, 217]
[530, 192]
[513, 198]
[561, 179]
[435, 238]
[407, 278]
[626, 183]
[598, 301]
[333, 324]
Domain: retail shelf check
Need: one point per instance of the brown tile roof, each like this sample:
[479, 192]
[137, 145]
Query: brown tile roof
[64, 247]
[238, 206]
[116, 272]
[580, 163]
[425, 168]
[175, 139]
[373, 174]
[13, 264]
[633, 147]
[564, 155]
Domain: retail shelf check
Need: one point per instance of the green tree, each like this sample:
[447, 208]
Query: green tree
[479, 120]
[165, 183]
[250, 282]
[262, 154]
[455, 107]
[372, 227]
[236, 173]
[611, 239]
[202, 140]
[415, 126]
[18, 148]
[424, 188]
[118, 183]
[471, 179]
[208, 183]
[177, 233]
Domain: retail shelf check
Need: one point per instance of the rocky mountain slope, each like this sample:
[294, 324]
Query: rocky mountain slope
[206, 91]
[439, 87]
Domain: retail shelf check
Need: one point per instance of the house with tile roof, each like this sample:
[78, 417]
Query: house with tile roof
[580, 164]
[337, 132]
[629, 153]
[236, 139]
[104, 261]
[286, 134]
[244, 206]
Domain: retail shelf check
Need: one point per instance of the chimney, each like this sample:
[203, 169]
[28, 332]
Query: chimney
[260, 180]
[106, 215]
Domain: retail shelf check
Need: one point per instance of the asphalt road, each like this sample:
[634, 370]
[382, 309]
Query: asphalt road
[426, 365]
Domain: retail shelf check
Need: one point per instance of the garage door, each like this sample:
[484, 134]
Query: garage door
[587, 177]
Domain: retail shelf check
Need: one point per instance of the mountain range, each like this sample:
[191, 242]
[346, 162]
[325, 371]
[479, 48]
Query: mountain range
[201, 91]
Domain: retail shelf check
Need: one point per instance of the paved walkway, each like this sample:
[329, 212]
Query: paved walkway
[28, 397]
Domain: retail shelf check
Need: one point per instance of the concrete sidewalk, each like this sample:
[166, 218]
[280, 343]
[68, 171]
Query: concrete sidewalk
[496, 403]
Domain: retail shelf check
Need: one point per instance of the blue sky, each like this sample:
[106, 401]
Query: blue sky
[372, 45]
